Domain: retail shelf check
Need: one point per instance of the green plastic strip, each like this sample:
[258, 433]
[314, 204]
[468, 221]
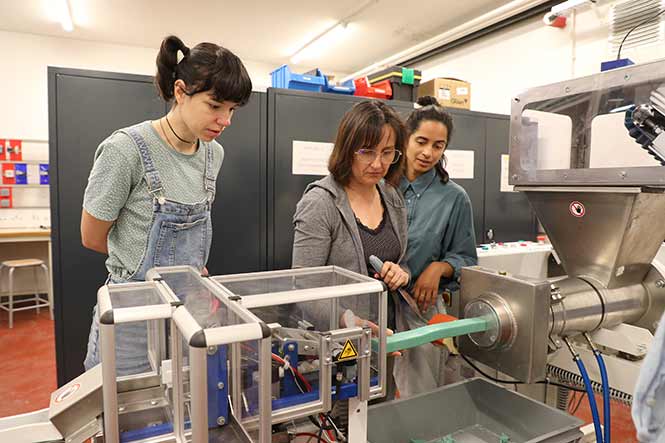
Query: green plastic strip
[407, 76]
[430, 333]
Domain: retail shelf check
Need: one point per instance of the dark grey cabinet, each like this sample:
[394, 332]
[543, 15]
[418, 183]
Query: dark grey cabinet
[84, 108]
[507, 214]
[304, 116]
[239, 213]
[469, 135]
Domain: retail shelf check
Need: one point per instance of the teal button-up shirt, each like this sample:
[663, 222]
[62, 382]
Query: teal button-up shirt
[440, 223]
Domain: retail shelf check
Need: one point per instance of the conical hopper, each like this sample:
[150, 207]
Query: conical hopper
[609, 234]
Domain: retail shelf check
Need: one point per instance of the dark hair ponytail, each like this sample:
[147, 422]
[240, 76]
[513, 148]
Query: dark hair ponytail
[206, 67]
[167, 62]
[431, 110]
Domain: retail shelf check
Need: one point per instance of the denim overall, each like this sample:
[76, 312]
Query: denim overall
[180, 234]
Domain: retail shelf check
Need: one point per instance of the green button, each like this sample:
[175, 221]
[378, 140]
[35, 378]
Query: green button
[407, 76]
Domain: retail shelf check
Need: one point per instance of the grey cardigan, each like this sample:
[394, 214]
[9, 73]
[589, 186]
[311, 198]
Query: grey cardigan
[326, 232]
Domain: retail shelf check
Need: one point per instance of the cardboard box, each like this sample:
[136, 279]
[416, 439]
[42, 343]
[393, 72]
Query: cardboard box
[450, 92]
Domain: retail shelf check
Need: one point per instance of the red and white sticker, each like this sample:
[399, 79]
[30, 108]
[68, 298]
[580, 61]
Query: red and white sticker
[577, 209]
[67, 392]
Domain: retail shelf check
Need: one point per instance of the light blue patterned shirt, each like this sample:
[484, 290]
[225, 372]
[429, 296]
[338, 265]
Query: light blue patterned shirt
[440, 223]
[649, 398]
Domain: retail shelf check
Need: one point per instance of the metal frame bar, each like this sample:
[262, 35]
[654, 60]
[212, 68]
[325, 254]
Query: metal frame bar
[142, 313]
[364, 356]
[265, 395]
[307, 295]
[177, 381]
[232, 334]
[261, 275]
[235, 378]
[199, 394]
[624, 77]
[380, 390]
[186, 323]
[357, 420]
[223, 294]
[109, 383]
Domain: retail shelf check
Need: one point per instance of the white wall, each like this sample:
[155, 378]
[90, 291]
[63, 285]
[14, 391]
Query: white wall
[23, 83]
[531, 54]
[24, 91]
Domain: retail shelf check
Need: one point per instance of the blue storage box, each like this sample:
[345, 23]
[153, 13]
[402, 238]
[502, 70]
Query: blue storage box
[282, 77]
[348, 87]
[43, 174]
[21, 173]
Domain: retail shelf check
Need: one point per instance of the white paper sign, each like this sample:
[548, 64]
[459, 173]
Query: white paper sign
[505, 162]
[310, 158]
[460, 163]
[33, 174]
[444, 94]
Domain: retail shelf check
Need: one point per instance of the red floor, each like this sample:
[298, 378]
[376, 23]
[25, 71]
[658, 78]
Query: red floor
[622, 429]
[27, 362]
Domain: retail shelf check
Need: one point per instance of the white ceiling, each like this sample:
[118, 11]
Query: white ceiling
[261, 30]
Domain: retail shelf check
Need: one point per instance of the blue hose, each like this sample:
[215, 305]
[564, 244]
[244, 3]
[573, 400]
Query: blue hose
[592, 399]
[606, 394]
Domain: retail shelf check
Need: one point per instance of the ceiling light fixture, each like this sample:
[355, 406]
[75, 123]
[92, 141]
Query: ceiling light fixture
[329, 37]
[321, 42]
[65, 15]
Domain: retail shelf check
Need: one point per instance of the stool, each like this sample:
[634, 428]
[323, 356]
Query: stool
[11, 266]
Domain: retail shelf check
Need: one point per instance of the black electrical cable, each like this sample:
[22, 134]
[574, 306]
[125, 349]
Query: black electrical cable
[634, 28]
[517, 382]
[577, 406]
[495, 380]
[318, 424]
[560, 385]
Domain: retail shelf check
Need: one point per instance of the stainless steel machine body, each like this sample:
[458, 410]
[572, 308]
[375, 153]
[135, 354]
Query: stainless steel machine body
[592, 173]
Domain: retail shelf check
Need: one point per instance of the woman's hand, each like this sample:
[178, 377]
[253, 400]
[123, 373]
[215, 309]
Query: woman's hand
[393, 275]
[349, 319]
[426, 288]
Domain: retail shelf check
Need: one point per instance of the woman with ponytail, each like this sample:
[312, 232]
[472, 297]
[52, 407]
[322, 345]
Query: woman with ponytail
[149, 194]
[441, 238]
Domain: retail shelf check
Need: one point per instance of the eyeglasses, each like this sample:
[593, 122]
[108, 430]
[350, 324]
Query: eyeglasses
[389, 156]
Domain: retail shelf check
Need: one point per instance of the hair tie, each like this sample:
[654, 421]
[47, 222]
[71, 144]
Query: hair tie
[179, 56]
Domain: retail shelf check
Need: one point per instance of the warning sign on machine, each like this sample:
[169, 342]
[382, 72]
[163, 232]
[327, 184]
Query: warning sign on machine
[349, 352]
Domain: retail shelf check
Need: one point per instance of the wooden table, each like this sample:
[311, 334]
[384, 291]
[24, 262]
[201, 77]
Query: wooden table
[17, 243]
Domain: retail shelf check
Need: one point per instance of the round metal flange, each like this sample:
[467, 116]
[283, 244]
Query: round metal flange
[502, 328]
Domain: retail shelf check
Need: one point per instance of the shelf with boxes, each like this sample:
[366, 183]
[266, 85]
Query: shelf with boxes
[392, 83]
[395, 82]
[24, 174]
[403, 82]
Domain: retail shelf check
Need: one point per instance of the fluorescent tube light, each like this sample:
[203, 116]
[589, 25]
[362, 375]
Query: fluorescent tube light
[65, 15]
[319, 44]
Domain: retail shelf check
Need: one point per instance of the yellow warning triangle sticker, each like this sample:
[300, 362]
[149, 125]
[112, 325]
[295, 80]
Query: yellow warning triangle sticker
[348, 352]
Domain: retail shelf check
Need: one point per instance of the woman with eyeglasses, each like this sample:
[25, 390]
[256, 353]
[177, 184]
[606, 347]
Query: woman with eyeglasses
[357, 211]
[441, 237]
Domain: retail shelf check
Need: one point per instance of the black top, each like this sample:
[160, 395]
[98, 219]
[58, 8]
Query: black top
[381, 241]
